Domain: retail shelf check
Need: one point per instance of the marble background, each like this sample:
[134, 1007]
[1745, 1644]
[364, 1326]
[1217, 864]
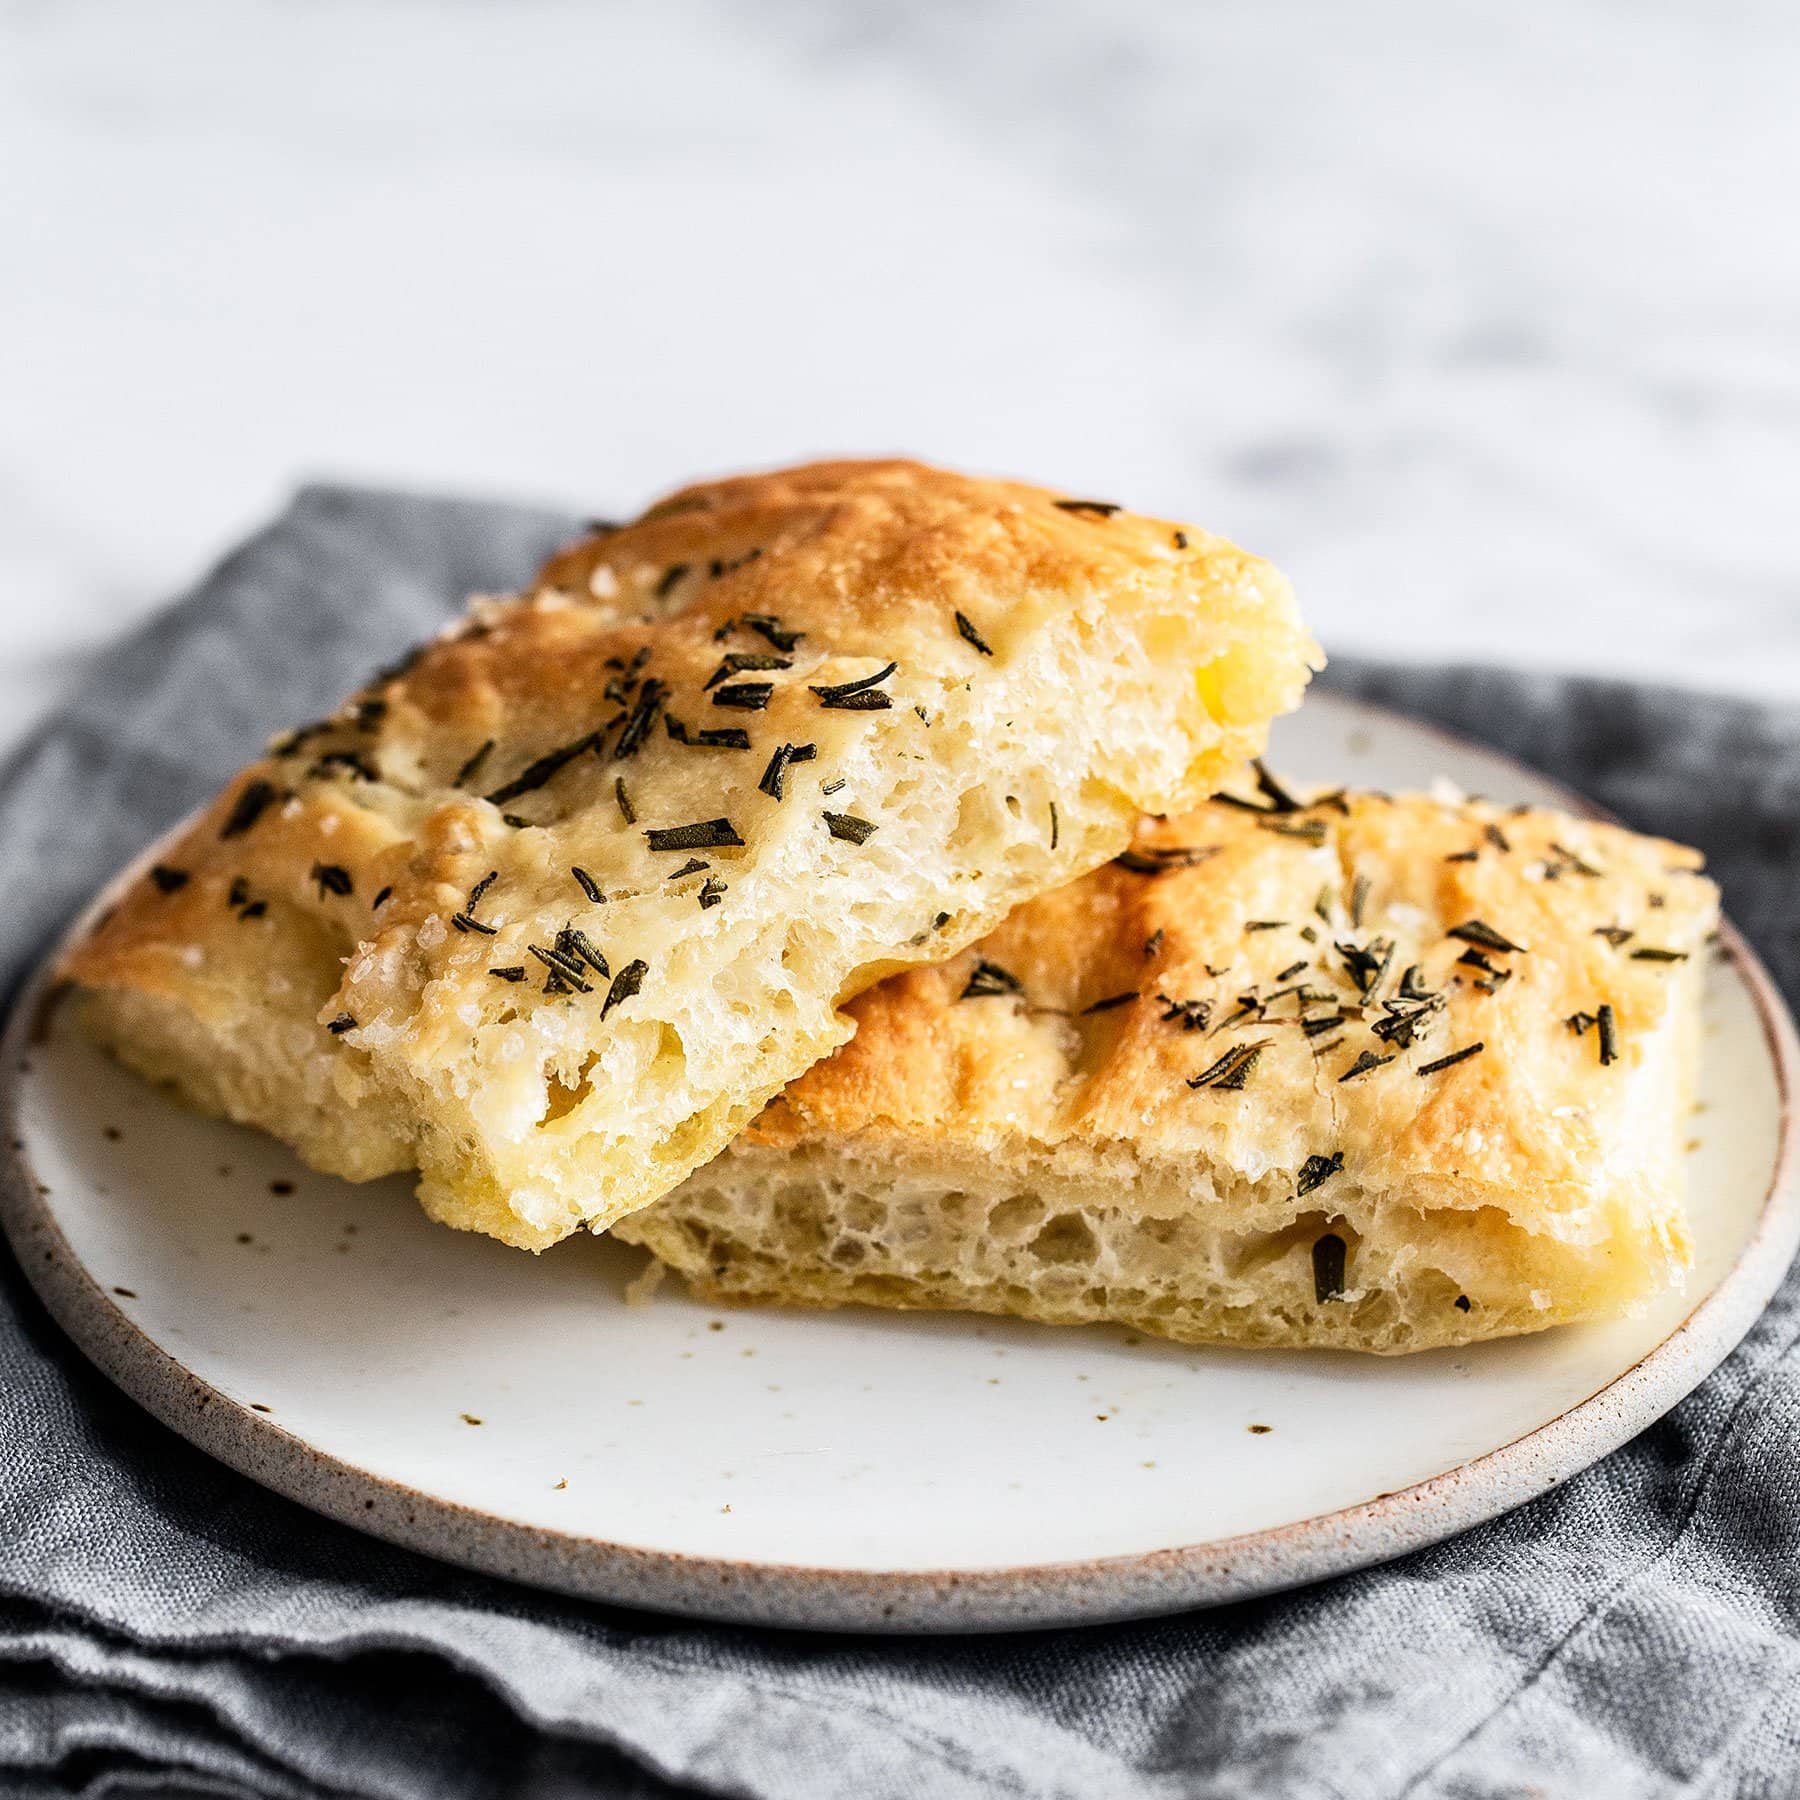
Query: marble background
[1483, 320]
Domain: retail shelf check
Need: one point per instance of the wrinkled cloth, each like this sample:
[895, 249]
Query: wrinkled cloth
[166, 1627]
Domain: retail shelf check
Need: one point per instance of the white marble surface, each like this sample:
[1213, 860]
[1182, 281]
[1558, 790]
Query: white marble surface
[1484, 321]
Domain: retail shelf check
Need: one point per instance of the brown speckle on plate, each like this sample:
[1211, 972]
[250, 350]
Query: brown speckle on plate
[470, 1419]
[1259, 1430]
[125, 1293]
[281, 1187]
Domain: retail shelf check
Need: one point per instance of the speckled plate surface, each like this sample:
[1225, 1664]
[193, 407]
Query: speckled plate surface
[858, 1469]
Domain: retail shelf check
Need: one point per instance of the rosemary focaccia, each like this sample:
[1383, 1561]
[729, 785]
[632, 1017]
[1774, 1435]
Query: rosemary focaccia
[1371, 1073]
[553, 908]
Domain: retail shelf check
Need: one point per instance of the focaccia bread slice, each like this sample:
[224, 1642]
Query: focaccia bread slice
[550, 911]
[1372, 1073]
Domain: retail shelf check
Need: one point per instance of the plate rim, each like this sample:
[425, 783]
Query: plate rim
[1029, 1596]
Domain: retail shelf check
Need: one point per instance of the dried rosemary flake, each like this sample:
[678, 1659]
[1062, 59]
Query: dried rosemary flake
[562, 966]
[464, 923]
[1580, 1023]
[1265, 925]
[670, 576]
[1232, 1070]
[1323, 1023]
[1291, 970]
[738, 661]
[576, 945]
[1651, 953]
[1608, 1022]
[849, 827]
[694, 866]
[333, 878]
[712, 891]
[167, 880]
[1364, 1063]
[468, 770]
[1110, 1002]
[640, 720]
[1308, 831]
[254, 799]
[1278, 797]
[971, 636]
[1328, 1261]
[342, 1023]
[1497, 838]
[535, 775]
[1450, 1061]
[1359, 898]
[1154, 860]
[1475, 931]
[480, 888]
[1569, 860]
[1316, 1170]
[1614, 934]
[768, 626]
[858, 696]
[1180, 540]
[1153, 943]
[588, 885]
[744, 696]
[628, 981]
[627, 811]
[514, 972]
[1195, 1015]
[1101, 509]
[785, 754]
[1055, 826]
[704, 834]
[988, 978]
[1470, 855]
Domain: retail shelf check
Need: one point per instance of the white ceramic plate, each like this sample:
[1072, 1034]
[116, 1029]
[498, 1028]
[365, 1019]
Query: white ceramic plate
[858, 1469]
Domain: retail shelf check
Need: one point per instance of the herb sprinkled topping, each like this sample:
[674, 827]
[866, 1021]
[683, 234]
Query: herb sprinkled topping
[254, 799]
[1472, 854]
[352, 761]
[1317, 1169]
[1181, 540]
[1101, 509]
[332, 878]
[1308, 831]
[1153, 943]
[859, 696]
[849, 827]
[588, 885]
[640, 719]
[728, 737]
[712, 891]
[1278, 797]
[515, 972]
[1265, 924]
[465, 924]
[1567, 859]
[1146, 859]
[1328, 1259]
[1195, 1015]
[342, 1023]
[480, 888]
[1232, 1070]
[563, 968]
[1651, 953]
[468, 771]
[1055, 826]
[784, 755]
[1614, 934]
[693, 866]
[1608, 1022]
[971, 636]
[628, 981]
[1496, 837]
[627, 811]
[738, 661]
[381, 899]
[745, 696]
[1111, 1001]
[534, 775]
[1474, 931]
[705, 834]
[575, 944]
[1450, 1061]
[670, 576]
[168, 880]
[768, 626]
[1581, 1023]
[988, 978]
[1366, 1061]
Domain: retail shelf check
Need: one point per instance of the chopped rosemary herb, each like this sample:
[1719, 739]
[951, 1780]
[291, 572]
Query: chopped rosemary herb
[971, 636]
[1291, 970]
[1317, 1170]
[535, 775]
[744, 696]
[727, 737]
[627, 811]
[768, 626]
[254, 910]
[1462, 1303]
[705, 834]
[640, 720]
[516, 821]
[1322, 905]
[1650, 953]
[628, 981]
[333, 878]
[712, 891]
[1153, 943]
[562, 966]
[832, 787]
[1366, 1061]
[1323, 1023]
[1181, 540]
[254, 799]
[238, 892]
[1580, 1023]
[1450, 1061]
[1359, 898]
[849, 827]
[1470, 855]
[1496, 837]
[1195, 1015]
[670, 576]
[988, 978]
[1367, 966]
[1474, 931]
[464, 923]
[168, 880]
[1614, 934]
[1412, 983]
[738, 661]
[1151, 859]
[1308, 831]
[784, 755]
[1110, 1002]
[1569, 860]
[1055, 826]
[469, 768]
[352, 760]
[1608, 1022]
[575, 944]
[515, 972]
[858, 696]
[1328, 1260]
[1265, 924]
[693, 866]
[480, 888]
[1279, 799]
[1232, 1070]
[342, 1023]
[1101, 509]
[588, 885]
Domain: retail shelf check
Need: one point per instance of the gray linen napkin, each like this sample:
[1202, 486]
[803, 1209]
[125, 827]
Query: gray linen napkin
[166, 1627]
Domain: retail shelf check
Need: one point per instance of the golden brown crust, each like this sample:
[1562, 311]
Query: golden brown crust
[1199, 1007]
[337, 897]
